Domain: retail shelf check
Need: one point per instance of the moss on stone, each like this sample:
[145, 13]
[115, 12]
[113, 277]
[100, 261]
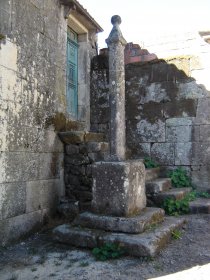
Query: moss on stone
[62, 123]
[2, 37]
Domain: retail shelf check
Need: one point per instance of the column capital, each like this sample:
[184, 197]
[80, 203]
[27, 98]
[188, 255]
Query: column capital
[115, 35]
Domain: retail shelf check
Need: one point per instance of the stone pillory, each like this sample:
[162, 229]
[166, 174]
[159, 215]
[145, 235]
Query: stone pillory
[116, 44]
[118, 185]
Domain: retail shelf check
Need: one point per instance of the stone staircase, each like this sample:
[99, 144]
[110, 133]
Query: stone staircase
[158, 189]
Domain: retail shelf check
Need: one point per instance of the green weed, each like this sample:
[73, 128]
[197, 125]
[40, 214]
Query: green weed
[2, 37]
[83, 264]
[158, 266]
[108, 251]
[150, 163]
[179, 178]
[146, 259]
[34, 269]
[176, 234]
[178, 207]
[202, 194]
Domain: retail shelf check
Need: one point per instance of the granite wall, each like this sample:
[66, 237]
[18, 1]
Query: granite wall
[32, 84]
[33, 38]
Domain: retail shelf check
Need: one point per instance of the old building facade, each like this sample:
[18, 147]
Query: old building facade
[54, 86]
[45, 52]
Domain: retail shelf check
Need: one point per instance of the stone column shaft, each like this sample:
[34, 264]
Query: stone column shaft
[116, 44]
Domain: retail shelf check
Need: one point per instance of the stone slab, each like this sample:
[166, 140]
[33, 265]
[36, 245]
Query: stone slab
[200, 205]
[72, 137]
[163, 153]
[75, 236]
[203, 112]
[20, 226]
[12, 199]
[77, 137]
[158, 185]
[94, 137]
[178, 133]
[42, 194]
[147, 244]
[183, 153]
[93, 147]
[201, 177]
[152, 173]
[149, 130]
[136, 224]
[118, 188]
[179, 121]
[176, 194]
[205, 133]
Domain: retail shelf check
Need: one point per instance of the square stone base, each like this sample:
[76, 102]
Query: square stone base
[119, 188]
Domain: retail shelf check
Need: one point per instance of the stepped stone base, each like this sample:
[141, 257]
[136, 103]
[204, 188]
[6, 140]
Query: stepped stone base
[200, 205]
[137, 224]
[148, 243]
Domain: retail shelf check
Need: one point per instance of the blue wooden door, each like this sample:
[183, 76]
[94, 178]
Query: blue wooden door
[72, 73]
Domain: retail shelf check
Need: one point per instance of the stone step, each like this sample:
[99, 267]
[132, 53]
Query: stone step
[146, 244]
[152, 173]
[77, 137]
[200, 205]
[175, 193]
[158, 185]
[137, 224]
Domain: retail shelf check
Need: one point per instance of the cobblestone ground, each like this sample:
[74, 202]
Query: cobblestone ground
[40, 258]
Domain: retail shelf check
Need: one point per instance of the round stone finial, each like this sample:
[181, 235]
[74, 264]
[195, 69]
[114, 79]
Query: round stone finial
[116, 20]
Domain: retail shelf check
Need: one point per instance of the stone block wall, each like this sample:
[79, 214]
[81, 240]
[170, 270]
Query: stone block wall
[78, 170]
[167, 111]
[32, 108]
[99, 95]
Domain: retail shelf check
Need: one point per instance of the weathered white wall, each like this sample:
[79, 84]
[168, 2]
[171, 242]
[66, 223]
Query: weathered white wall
[32, 108]
[184, 44]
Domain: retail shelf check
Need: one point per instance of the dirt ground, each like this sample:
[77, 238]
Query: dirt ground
[40, 258]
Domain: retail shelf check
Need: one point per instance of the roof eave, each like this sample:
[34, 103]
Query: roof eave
[82, 11]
